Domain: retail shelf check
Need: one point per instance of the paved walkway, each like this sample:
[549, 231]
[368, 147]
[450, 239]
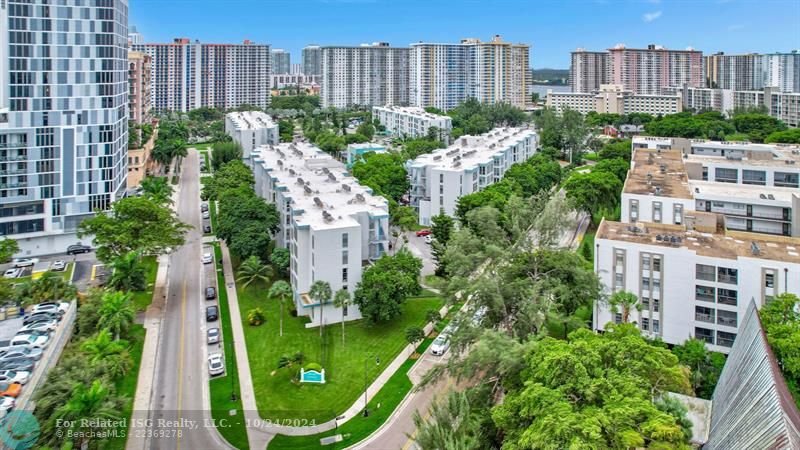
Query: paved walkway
[259, 437]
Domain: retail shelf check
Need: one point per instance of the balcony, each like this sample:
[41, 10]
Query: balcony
[724, 342]
[708, 318]
[14, 172]
[14, 158]
[13, 185]
[727, 321]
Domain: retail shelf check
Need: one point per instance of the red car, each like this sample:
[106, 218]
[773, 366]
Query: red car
[422, 233]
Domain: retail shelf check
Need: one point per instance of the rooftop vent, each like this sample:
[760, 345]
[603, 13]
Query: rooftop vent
[658, 190]
[437, 157]
[457, 164]
[292, 172]
[762, 196]
[755, 249]
[327, 217]
[346, 187]
[331, 177]
[318, 202]
[662, 168]
[308, 190]
[771, 197]
[635, 230]
[360, 198]
[649, 178]
[300, 181]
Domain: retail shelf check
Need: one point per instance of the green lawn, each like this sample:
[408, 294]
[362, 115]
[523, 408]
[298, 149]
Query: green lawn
[142, 299]
[359, 428]
[221, 387]
[203, 146]
[278, 398]
[126, 386]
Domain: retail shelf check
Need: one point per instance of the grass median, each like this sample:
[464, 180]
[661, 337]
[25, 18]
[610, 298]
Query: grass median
[231, 427]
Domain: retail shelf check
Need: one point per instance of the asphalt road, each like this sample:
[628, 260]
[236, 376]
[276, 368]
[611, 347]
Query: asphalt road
[180, 397]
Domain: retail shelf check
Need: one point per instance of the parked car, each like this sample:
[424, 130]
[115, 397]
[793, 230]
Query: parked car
[425, 232]
[212, 335]
[58, 265]
[10, 389]
[211, 293]
[429, 239]
[440, 345]
[204, 207]
[30, 340]
[216, 366]
[206, 228]
[41, 316]
[40, 325]
[206, 214]
[23, 364]
[6, 403]
[22, 352]
[212, 314]
[207, 258]
[15, 376]
[54, 307]
[34, 333]
[75, 249]
[24, 262]
[12, 272]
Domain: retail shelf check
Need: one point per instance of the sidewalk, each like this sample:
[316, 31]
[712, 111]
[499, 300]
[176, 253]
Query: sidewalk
[152, 325]
[258, 437]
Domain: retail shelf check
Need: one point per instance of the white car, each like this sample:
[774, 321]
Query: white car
[14, 376]
[24, 262]
[207, 258]
[429, 239]
[40, 325]
[213, 335]
[6, 403]
[440, 345]
[12, 273]
[29, 340]
[206, 214]
[216, 366]
[22, 352]
[53, 307]
[58, 265]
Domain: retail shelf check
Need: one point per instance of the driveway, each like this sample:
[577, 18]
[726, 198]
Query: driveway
[419, 248]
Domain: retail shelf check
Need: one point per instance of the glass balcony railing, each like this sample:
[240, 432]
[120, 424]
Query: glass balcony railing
[700, 317]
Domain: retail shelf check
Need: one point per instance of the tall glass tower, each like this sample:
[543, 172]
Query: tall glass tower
[63, 117]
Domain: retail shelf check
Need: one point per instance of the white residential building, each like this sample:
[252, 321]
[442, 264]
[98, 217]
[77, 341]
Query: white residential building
[63, 117]
[784, 106]
[752, 187]
[330, 223]
[469, 165]
[279, 81]
[444, 75]
[188, 75]
[692, 281]
[412, 121]
[613, 99]
[367, 75]
[753, 71]
[251, 129]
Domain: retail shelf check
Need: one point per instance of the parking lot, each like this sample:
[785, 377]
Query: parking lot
[78, 268]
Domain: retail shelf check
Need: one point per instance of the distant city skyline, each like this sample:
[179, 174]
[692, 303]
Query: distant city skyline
[553, 29]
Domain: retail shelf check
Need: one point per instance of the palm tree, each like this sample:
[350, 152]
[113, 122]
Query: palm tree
[50, 286]
[451, 425]
[342, 300]
[157, 189]
[289, 361]
[280, 290]
[321, 292]
[102, 346]
[128, 274]
[86, 406]
[252, 270]
[116, 312]
[624, 301]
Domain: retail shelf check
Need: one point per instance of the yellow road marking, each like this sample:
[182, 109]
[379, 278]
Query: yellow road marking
[180, 362]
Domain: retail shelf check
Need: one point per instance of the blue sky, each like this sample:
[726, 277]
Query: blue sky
[552, 28]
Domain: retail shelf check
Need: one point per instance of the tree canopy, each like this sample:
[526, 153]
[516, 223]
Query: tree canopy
[791, 136]
[233, 175]
[384, 173]
[385, 285]
[134, 224]
[781, 320]
[223, 152]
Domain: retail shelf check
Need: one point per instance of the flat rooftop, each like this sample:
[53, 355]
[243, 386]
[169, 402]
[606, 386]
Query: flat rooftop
[782, 196]
[659, 171]
[412, 110]
[324, 195]
[366, 145]
[468, 152]
[730, 245]
[778, 157]
[250, 120]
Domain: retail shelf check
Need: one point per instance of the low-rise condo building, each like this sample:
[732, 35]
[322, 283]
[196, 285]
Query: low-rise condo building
[412, 121]
[251, 129]
[356, 152]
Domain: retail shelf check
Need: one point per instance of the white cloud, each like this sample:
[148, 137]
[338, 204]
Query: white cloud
[651, 16]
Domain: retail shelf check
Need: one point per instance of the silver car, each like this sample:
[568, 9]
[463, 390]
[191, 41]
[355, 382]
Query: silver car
[213, 335]
[33, 353]
[216, 365]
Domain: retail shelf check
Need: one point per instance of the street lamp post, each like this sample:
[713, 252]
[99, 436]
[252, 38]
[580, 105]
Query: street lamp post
[365, 413]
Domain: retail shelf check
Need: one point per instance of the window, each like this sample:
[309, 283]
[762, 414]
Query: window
[677, 214]
[703, 314]
[769, 280]
[656, 326]
[758, 177]
[785, 179]
[656, 264]
[344, 240]
[722, 175]
[704, 272]
[344, 257]
[645, 261]
[645, 283]
[617, 318]
[656, 305]
[618, 281]
[704, 334]
[619, 258]
[657, 212]
[725, 339]
[704, 293]
[645, 324]
[727, 296]
[344, 275]
[726, 275]
[634, 210]
[727, 318]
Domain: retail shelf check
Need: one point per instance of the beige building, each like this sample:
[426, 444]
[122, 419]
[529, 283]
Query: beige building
[646, 71]
[588, 70]
[614, 99]
[139, 163]
[139, 104]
